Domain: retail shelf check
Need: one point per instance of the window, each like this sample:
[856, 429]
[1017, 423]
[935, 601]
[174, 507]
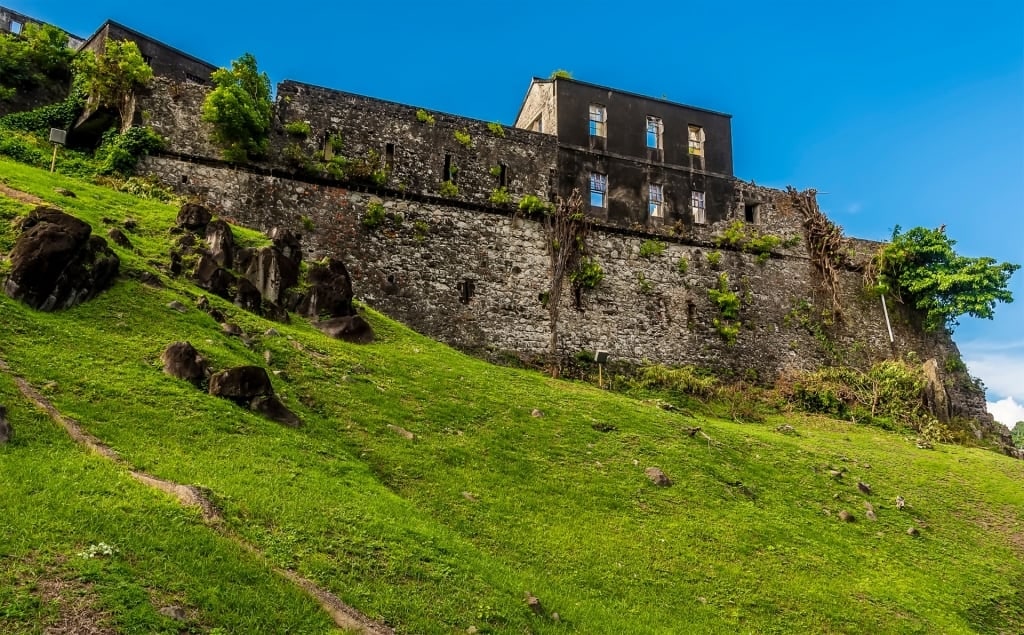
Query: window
[696, 138]
[148, 59]
[195, 79]
[389, 157]
[502, 175]
[752, 212]
[656, 200]
[449, 174]
[654, 130]
[16, 27]
[538, 124]
[700, 215]
[598, 189]
[598, 121]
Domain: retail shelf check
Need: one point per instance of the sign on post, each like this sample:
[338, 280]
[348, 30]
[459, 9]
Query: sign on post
[58, 137]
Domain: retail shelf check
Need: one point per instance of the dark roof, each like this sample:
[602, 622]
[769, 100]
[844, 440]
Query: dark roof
[143, 36]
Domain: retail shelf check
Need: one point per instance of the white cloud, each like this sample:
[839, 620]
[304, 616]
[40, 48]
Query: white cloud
[999, 365]
[1006, 411]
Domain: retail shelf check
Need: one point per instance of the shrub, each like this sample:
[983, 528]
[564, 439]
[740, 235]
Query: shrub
[239, 109]
[715, 259]
[300, 129]
[495, 171]
[500, 196]
[120, 153]
[682, 265]
[560, 74]
[423, 116]
[728, 303]
[39, 121]
[651, 248]
[643, 284]
[534, 205]
[374, 215]
[685, 380]
[463, 138]
[587, 274]
[496, 129]
[449, 189]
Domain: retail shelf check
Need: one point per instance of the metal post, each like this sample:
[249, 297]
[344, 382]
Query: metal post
[888, 325]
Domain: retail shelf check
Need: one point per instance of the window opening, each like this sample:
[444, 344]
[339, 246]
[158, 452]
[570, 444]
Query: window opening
[16, 27]
[656, 200]
[696, 140]
[466, 290]
[598, 189]
[697, 205]
[389, 156]
[538, 124]
[752, 212]
[655, 127]
[195, 79]
[448, 176]
[598, 120]
[502, 175]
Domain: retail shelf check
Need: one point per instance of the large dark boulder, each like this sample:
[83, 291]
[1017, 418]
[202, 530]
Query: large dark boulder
[241, 384]
[57, 262]
[216, 279]
[288, 243]
[183, 361]
[6, 432]
[194, 217]
[271, 407]
[330, 291]
[221, 243]
[352, 328]
[248, 297]
[272, 273]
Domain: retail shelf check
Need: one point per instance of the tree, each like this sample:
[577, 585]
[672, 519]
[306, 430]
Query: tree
[239, 109]
[1018, 434]
[27, 60]
[112, 78]
[921, 269]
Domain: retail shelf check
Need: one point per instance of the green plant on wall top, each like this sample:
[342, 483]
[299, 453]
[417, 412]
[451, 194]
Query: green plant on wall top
[739, 235]
[560, 74]
[652, 248]
[531, 204]
[496, 129]
[921, 269]
[423, 116]
[239, 110]
[374, 215]
[500, 196]
[463, 138]
[300, 129]
[449, 189]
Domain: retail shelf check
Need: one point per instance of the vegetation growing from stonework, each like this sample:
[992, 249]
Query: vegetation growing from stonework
[300, 129]
[239, 110]
[463, 138]
[728, 304]
[566, 228]
[374, 215]
[448, 189]
[652, 248]
[423, 116]
[496, 129]
[500, 196]
[488, 500]
[920, 268]
[113, 78]
[740, 235]
[1018, 434]
[587, 274]
[560, 74]
[38, 54]
[824, 240]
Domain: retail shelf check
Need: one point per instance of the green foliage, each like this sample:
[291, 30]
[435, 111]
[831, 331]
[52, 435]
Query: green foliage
[643, 284]
[682, 265]
[112, 78]
[652, 248]
[728, 331]
[29, 59]
[495, 171]
[740, 235]
[120, 153]
[463, 138]
[531, 204]
[728, 303]
[300, 129]
[500, 196]
[587, 274]
[449, 189]
[144, 187]
[423, 116]
[714, 259]
[374, 215]
[921, 269]
[1018, 434]
[954, 364]
[560, 74]
[239, 110]
[685, 380]
[307, 223]
[39, 121]
[421, 229]
[496, 129]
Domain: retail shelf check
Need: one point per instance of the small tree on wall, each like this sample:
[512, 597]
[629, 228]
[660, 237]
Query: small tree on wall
[113, 77]
[240, 109]
[566, 228]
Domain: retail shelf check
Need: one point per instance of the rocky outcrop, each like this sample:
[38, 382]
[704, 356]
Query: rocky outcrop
[330, 291]
[6, 432]
[250, 386]
[936, 398]
[183, 361]
[270, 406]
[57, 262]
[194, 217]
[220, 242]
[216, 279]
[272, 272]
[352, 328]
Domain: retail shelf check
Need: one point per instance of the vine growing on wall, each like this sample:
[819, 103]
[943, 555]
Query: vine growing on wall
[566, 228]
[824, 241]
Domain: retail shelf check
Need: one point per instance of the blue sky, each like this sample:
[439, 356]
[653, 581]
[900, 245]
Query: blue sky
[908, 113]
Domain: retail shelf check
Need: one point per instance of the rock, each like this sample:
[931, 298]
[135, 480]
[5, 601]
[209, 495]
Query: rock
[272, 332]
[330, 292]
[214, 278]
[56, 263]
[900, 503]
[183, 361]
[288, 243]
[536, 414]
[786, 429]
[176, 266]
[241, 384]
[402, 432]
[65, 192]
[846, 516]
[177, 306]
[272, 273]
[6, 431]
[248, 297]
[353, 329]
[936, 399]
[870, 514]
[470, 496]
[534, 603]
[130, 224]
[472, 630]
[118, 237]
[836, 474]
[203, 303]
[217, 315]
[150, 279]
[243, 256]
[864, 487]
[193, 217]
[187, 243]
[657, 477]
[555, 617]
[604, 427]
[267, 356]
[220, 242]
[913, 532]
[174, 612]
[231, 329]
[271, 407]
[275, 312]
[868, 506]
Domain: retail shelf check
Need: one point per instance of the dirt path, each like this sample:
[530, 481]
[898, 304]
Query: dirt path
[343, 615]
[18, 195]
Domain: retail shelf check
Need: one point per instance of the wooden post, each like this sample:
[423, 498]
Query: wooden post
[53, 161]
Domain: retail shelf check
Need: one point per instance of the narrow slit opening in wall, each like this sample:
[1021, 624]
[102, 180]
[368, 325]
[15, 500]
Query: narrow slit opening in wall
[503, 175]
[752, 213]
[448, 168]
[184, 178]
[691, 314]
[389, 157]
[466, 290]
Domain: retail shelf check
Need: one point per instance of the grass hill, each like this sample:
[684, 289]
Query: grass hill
[448, 531]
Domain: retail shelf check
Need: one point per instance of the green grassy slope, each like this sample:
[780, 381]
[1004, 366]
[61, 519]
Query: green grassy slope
[452, 529]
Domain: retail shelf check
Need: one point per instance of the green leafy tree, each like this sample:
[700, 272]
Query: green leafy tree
[27, 60]
[920, 268]
[113, 78]
[240, 110]
[1018, 434]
